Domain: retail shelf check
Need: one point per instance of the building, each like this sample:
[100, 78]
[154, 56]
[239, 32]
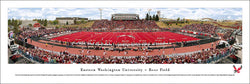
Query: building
[219, 20]
[159, 14]
[26, 23]
[70, 20]
[125, 17]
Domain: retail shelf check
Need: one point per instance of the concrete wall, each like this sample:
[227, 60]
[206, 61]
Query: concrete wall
[62, 22]
[26, 23]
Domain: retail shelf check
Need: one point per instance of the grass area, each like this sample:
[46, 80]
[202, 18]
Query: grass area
[227, 23]
[162, 25]
[88, 24]
[179, 25]
[231, 24]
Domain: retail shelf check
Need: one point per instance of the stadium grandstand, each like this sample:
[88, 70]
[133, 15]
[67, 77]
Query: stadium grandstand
[126, 39]
[125, 17]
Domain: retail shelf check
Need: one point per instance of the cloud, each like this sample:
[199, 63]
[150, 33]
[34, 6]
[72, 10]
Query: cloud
[94, 13]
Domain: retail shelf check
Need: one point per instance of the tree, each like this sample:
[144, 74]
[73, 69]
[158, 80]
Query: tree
[74, 21]
[50, 22]
[78, 22]
[178, 19]
[45, 22]
[55, 22]
[9, 22]
[153, 18]
[30, 25]
[156, 18]
[147, 17]
[187, 20]
[39, 21]
[57, 27]
[8, 29]
[15, 24]
[82, 21]
[42, 21]
[150, 18]
[67, 23]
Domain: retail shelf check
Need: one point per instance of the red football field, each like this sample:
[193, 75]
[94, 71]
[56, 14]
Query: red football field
[125, 37]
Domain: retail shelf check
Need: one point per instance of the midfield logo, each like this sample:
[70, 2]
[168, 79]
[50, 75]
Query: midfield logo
[237, 70]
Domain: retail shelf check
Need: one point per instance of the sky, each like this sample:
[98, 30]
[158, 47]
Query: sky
[94, 13]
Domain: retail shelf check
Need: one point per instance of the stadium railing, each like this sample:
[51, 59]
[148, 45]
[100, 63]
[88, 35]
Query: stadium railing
[35, 58]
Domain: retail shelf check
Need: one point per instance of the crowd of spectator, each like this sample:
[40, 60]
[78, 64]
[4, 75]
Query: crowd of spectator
[18, 59]
[64, 57]
[227, 35]
[114, 24]
[41, 32]
[203, 28]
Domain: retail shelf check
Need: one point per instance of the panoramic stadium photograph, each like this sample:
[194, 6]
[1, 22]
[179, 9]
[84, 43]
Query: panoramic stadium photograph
[124, 35]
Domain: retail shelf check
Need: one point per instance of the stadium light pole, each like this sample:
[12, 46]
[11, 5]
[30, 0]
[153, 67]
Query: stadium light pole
[100, 13]
[149, 11]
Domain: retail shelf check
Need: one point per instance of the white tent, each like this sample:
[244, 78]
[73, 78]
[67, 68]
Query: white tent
[225, 42]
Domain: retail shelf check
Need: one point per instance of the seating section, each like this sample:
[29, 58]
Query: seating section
[125, 24]
[63, 57]
[205, 28]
